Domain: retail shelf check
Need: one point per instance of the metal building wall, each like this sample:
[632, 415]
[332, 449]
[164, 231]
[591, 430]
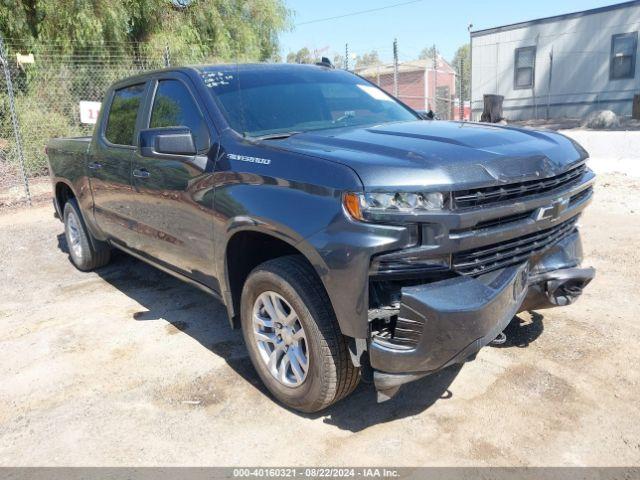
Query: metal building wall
[579, 83]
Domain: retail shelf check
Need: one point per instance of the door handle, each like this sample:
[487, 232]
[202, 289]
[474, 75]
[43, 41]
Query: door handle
[141, 173]
[94, 165]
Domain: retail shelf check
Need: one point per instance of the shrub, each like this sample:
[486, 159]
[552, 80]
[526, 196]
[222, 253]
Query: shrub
[38, 124]
[602, 120]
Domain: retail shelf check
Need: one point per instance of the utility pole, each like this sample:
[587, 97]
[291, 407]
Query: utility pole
[460, 95]
[395, 67]
[435, 79]
[469, 27]
[14, 119]
[346, 56]
[549, 83]
[166, 56]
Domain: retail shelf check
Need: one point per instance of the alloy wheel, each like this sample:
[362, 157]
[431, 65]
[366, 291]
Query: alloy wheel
[73, 235]
[280, 339]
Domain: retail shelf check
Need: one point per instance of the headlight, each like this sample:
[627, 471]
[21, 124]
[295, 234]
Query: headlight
[359, 204]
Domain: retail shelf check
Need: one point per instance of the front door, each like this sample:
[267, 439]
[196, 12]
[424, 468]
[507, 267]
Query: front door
[173, 194]
[110, 163]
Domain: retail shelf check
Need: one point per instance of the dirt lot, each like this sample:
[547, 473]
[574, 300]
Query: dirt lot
[128, 366]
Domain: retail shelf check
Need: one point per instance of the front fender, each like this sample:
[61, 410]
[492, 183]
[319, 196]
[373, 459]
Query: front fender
[345, 249]
[287, 214]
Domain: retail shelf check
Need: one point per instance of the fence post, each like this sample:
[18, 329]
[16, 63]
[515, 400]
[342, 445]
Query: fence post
[395, 68]
[346, 56]
[435, 80]
[549, 83]
[166, 55]
[460, 95]
[14, 119]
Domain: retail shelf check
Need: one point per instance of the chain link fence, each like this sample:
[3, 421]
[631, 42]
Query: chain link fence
[40, 99]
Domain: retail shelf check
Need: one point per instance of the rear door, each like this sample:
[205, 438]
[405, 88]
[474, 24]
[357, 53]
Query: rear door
[110, 162]
[174, 193]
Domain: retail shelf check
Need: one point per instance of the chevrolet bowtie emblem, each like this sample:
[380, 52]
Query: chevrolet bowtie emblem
[552, 211]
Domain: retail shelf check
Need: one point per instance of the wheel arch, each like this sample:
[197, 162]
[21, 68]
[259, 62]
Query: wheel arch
[246, 249]
[62, 193]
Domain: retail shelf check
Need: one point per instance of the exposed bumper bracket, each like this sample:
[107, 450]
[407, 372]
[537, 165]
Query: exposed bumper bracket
[388, 384]
[563, 287]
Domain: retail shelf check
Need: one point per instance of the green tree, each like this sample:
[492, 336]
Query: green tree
[301, 56]
[463, 54]
[82, 46]
[367, 59]
[428, 53]
[201, 29]
[338, 60]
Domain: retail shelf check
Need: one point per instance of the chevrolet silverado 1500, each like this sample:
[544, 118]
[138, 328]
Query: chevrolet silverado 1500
[348, 237]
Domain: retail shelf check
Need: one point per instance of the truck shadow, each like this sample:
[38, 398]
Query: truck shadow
[202, 317]
[524, 329]
[361, 410]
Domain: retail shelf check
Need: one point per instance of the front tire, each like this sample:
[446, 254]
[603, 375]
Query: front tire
[292, 336]
[86, 252]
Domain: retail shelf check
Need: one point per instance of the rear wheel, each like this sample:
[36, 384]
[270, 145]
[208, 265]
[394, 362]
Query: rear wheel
[293, 337]
[86, 252]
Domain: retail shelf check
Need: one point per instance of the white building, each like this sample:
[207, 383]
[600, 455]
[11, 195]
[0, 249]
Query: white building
[563, 66]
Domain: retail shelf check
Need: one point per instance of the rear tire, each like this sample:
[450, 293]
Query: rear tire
[86, 252]
[308, 333]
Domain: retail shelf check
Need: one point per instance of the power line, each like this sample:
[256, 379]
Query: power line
[357, 13]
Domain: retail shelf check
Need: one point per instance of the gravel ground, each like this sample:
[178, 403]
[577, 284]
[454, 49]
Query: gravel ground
[128, 366]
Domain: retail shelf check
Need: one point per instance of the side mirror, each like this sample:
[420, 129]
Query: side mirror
[156, 142]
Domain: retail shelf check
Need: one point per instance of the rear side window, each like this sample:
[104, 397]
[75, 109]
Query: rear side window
[174, 106]
[121, 123]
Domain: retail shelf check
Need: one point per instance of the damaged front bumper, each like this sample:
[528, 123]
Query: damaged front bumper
[448, 321]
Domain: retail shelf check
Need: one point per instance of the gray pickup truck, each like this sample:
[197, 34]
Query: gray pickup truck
[348, 237]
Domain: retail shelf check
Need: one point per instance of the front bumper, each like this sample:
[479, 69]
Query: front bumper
[458, 316]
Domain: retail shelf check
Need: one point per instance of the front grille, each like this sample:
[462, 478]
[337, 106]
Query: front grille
[498, 222]
[487, 195]
[580, 196]
[516, 217]
[405, 268]
[510, 252]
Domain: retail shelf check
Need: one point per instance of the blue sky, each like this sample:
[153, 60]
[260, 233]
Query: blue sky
[415, 25]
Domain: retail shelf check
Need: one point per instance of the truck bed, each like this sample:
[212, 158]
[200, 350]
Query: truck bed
[67, 156]
[69, 144]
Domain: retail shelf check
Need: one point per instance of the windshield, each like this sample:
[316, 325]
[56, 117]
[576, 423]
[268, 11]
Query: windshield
[269, 99]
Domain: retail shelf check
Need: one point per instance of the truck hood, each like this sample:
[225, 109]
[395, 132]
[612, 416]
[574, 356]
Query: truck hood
[440, 155]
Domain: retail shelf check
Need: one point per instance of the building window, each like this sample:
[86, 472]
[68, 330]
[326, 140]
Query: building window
[623, 55]
[525, 67]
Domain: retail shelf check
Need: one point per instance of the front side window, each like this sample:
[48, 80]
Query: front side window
[274, 100]
[121, 123]
[174, 106]
[525, 65]
[623, 55]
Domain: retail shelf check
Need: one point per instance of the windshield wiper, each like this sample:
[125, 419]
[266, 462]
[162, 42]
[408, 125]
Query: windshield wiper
[347, 115]
[276, 136]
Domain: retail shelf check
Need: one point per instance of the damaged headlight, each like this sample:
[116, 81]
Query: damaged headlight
[358, 205]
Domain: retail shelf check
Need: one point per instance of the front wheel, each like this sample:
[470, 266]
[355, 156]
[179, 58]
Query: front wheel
[292, 336]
